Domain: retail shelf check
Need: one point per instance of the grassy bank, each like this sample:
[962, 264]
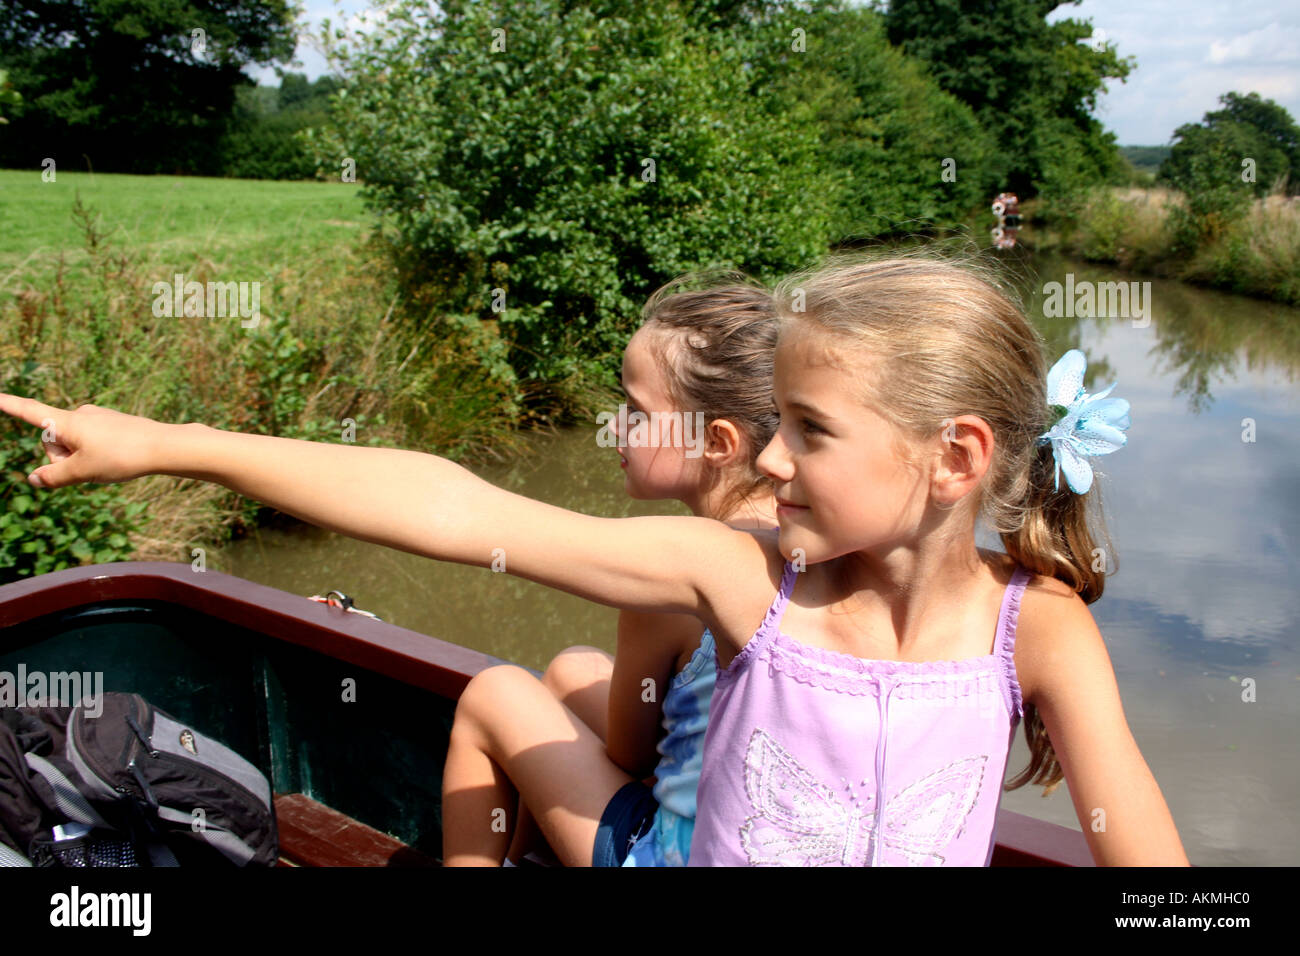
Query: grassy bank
[1256, 252]
[238, 225]
[330, 358]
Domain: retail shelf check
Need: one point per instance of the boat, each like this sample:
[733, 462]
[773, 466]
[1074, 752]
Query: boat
[347, 715]
[1006, 206]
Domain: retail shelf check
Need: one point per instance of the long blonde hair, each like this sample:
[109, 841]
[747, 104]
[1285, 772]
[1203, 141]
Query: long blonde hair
[946, 340]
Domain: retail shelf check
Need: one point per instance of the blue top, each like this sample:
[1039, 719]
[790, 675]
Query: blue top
[686, 717]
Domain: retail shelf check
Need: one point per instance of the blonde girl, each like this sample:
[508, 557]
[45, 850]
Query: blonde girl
[705, 353]
[873, 662]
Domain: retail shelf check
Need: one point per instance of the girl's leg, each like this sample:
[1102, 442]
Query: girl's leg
[579, 678]
[512, 739]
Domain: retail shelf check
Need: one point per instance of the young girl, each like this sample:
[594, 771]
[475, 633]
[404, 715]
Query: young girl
[710, 352]
[913, 398]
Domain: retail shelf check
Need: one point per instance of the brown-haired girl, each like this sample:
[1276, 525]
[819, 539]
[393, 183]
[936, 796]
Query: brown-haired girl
[706, 354]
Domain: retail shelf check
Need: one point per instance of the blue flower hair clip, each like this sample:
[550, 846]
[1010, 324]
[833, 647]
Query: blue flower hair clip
[1086, 425]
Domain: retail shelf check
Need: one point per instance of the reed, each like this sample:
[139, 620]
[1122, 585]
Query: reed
[1257, 254]
[333, 358]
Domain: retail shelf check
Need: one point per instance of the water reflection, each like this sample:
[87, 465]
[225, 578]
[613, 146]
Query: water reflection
[1201, 336]
[496, 613]
[1205, 527]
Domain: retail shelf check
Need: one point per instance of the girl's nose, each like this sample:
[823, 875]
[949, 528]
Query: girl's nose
[774, 460]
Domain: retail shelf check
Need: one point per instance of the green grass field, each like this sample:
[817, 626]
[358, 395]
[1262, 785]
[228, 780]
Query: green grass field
[245, 228]
[78, 324]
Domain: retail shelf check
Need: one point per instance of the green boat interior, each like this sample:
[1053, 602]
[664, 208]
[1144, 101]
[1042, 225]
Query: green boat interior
[338, 743]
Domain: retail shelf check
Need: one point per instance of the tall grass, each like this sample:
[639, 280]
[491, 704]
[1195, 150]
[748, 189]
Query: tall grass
[1256, 254]
[332, 359]
[1259, 256]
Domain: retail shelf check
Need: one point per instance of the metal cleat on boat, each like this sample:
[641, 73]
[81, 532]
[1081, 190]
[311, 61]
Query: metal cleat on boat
[339, 599]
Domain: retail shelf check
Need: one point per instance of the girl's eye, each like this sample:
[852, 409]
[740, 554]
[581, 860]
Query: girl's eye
[804, 424]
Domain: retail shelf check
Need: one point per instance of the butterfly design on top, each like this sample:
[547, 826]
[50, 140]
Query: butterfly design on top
[799, 821]
[1085, 424]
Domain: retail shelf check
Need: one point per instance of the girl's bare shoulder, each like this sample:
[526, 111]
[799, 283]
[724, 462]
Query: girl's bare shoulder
[1055, 631]
[747, 580]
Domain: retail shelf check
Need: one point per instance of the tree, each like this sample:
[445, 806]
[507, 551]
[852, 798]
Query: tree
[911, 155]
[262, 141]
[9, 98]
[545, 167]
[1032, 84]
[135, 85]
[1251, 141]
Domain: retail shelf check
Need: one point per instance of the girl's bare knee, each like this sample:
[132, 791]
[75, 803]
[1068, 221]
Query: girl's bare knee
[577, 667]
[484, 694]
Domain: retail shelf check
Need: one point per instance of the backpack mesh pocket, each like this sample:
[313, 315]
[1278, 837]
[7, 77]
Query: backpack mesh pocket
[92, 850]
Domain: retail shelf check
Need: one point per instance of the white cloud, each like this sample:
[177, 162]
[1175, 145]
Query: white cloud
[1188, 54]
[1271, 44]
[1282, 84]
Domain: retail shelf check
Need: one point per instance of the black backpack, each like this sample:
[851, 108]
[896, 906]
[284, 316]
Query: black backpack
[122, 783]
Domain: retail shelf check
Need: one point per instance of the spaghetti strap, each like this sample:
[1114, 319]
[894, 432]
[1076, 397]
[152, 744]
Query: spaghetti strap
[770, 626]
[1004, 646]
[783, 595]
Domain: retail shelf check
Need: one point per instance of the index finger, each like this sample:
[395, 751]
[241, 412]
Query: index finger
[30, 410]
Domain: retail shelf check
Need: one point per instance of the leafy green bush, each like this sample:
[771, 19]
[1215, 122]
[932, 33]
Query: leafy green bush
[1102, 233]
[1215, 198]
[49, 530]
[547, 177]
[912, 156]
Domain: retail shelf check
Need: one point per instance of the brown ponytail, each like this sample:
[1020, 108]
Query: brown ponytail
[1056, 541]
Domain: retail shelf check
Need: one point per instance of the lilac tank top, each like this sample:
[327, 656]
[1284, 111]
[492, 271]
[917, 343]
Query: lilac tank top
[817, 758]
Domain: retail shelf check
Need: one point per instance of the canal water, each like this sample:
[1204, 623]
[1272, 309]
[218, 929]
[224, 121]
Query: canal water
[1201, 611]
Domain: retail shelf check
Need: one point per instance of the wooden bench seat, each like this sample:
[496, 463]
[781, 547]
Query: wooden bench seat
[312, 834]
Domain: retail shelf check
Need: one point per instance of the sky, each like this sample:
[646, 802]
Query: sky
[1189, 52]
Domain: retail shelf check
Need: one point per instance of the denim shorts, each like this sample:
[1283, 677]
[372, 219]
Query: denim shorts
[628, 816]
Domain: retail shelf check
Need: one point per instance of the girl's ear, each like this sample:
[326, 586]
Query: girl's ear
[725, 445]
[966, 451]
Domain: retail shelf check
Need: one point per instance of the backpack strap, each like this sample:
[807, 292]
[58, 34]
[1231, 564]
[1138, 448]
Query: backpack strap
[68, 798]
[78, 809]
[149, 839]
[12, 858]
[234, 849]
[161, 855]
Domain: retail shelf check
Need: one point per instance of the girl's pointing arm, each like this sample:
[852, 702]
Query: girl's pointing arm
[407, 500]
[428, 505]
